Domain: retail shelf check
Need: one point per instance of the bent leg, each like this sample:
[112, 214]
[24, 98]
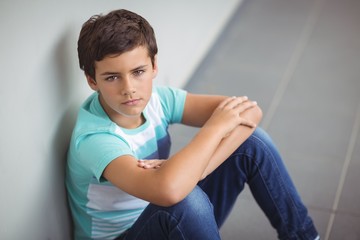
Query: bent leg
[258, 163]
[192, 218]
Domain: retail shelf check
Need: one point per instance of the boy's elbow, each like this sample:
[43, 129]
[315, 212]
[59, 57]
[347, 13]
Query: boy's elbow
[258, 114]
[171, 195]
[254, 114]
[169, 201]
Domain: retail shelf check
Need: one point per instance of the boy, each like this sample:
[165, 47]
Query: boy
[121, 182]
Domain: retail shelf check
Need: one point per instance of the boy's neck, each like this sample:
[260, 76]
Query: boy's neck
[131, 122]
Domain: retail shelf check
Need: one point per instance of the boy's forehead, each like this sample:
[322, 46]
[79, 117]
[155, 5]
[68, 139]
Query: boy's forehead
[128, 60]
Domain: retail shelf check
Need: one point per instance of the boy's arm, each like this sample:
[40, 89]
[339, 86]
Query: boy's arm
[203, 106]
[229, 144]
[176, 177]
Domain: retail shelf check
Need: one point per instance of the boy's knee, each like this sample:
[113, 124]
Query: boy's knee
[261, 139]
[260, 134]
[197, 202]
[259, 146]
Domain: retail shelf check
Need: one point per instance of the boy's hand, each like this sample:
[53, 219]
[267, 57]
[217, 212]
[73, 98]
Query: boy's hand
[227, 116]
[153, 163]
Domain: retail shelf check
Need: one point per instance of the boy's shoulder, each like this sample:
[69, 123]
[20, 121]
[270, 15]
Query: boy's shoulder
[167, 93]
[91, 118]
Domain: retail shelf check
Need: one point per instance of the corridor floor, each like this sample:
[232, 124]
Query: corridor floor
[300, 60]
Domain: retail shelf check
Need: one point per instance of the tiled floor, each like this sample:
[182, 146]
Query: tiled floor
[301, 61]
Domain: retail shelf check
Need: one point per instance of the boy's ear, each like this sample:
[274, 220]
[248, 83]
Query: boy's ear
[91, 82]
[155, 67]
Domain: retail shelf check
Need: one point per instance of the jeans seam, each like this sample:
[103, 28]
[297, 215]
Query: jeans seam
[273, 162]
[280, 177]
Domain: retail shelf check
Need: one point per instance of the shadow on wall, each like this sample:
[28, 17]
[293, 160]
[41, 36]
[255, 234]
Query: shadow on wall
[59, 222]
[62, 216]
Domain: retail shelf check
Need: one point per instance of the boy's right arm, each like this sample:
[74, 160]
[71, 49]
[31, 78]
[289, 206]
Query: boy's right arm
[175, 179]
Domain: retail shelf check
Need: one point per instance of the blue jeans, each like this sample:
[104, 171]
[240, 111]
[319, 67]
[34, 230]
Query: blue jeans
[204, 210]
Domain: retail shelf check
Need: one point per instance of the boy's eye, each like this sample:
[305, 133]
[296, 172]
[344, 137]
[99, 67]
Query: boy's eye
[111, 78]
[138, 72]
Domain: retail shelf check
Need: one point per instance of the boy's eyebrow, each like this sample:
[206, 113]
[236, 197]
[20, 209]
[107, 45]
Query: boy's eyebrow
[109, 73]
[118, 73]
[139, 67]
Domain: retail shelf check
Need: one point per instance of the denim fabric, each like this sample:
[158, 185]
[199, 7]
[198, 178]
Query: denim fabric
[200, 215]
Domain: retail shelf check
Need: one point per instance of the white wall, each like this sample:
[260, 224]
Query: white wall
[42, 86]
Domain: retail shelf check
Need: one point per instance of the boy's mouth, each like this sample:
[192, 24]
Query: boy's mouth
[131, 102]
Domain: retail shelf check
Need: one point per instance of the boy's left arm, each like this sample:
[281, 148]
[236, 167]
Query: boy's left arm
[198, 109]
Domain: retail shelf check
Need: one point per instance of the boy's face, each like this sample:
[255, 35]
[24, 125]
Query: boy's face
[125, 84]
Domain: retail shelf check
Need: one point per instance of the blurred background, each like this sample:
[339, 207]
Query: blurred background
[299, 59]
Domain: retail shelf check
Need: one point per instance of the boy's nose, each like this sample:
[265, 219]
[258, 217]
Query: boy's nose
[128, 92]
[128, 88]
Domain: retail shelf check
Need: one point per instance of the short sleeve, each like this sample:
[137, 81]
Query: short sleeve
[173, 102]
[96, 151]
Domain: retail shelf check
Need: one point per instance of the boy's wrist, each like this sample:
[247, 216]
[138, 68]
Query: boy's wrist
[214, 131]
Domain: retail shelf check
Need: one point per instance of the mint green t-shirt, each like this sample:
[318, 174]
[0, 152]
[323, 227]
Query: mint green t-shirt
[99, 209]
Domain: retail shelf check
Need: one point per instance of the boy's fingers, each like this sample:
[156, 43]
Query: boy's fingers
[245, 105]
[225, 102]
[235, 101]
[248, 123]
[150, 163]
[231, 102]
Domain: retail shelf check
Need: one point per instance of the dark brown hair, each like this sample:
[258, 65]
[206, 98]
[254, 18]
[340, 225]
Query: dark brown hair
[113, 34]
